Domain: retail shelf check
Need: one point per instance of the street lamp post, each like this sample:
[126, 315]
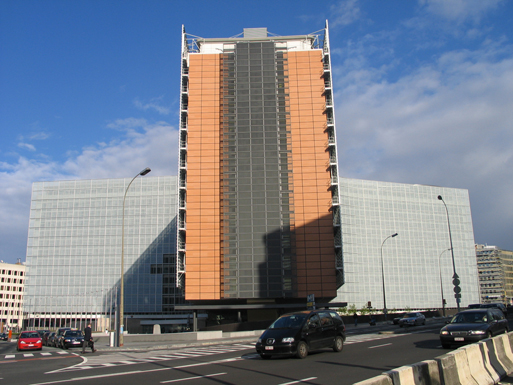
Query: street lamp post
[441, 282]
[455, 277]
[119, 326]
[383, 275]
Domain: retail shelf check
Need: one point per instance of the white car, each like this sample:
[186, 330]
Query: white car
[412, 319]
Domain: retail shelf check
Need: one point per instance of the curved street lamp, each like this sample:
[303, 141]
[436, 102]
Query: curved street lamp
[383, 275]
[119, 332]
[455, 277]
[441, 283]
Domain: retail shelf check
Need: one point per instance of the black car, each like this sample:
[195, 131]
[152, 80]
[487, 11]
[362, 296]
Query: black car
[56, 340]
[71, 339]
[42, 332]
[300, 332]
[472, 326]
[499, 306]
[4, 336]
[47, 338]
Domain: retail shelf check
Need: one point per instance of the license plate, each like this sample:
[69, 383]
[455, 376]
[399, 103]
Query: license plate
[76, 343]
[459, 339]
[269, 348]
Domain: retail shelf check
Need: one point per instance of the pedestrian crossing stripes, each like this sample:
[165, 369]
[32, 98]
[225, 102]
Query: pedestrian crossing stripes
[139, 358]
[33, 355]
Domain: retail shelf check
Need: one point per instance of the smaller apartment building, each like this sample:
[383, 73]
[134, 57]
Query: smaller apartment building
[12, 277]
[495, 269]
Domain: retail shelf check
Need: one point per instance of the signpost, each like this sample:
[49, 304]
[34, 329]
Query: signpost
[310, 302]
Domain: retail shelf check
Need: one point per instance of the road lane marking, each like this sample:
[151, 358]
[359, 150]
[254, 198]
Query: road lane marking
[192, 378]
[299, 381]
[379, 346]
[136, 372]
[27, 355]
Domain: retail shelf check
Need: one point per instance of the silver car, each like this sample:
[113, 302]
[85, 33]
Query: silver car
[412, 319]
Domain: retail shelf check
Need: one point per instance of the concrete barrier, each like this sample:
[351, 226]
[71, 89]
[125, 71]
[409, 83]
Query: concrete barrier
[483, 347]
[249, 333]
[477, 366]
[494, 358]
[382, 379]
[420, 373]
[484, 363]
[454, 368]
[499, 344]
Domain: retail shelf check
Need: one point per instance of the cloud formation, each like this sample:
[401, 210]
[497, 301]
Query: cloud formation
[446, 122]
[142, 144]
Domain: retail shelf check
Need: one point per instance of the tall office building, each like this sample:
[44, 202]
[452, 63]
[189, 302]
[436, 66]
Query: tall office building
[258, 211]
[495, 268]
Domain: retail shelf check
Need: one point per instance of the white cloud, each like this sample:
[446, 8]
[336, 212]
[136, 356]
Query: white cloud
[39, 136]
[27, 146]
[447, 123]
[460, 10]
[344, 13]
[155, 146]
[153, 104]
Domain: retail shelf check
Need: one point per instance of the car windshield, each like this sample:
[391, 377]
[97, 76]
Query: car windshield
[470, 317]
[409, 315]
[293, 321]
[29, 335]
[75, 333]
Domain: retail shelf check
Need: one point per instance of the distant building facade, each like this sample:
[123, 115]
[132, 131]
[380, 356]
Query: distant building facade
[495, 269]
[417, 264]
[12, 282]
[74, 253]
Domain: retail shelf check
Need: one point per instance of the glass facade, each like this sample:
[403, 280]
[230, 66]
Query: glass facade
[74, 248]
[417, 261]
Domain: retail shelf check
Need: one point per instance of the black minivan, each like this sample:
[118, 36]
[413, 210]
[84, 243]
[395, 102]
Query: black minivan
[300, 332]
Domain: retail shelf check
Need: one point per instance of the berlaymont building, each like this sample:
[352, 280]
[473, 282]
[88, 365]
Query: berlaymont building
[257, 218]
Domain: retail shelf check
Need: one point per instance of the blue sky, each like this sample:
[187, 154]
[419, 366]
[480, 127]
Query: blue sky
[423, 93]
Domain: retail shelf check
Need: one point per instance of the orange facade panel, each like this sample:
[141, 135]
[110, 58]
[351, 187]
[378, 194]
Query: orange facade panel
[203, 236]
[310, 159]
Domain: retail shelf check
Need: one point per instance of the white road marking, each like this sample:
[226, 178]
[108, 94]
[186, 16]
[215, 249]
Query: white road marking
[192, 378]
[379, 346]
[138, 372]
[299, 381]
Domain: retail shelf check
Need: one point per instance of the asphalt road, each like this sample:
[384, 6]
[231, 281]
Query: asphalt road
[364, 356]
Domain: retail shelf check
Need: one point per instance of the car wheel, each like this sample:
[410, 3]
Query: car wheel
[338, 345]
[400, 326]
[423, 322]
[302, 349]
[265, 356]
[446, 346]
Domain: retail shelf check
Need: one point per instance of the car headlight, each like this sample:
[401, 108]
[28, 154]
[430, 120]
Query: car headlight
[477, 332]
[22, 342]
[444, 332]
[288, 339]
[259, 341]
[38, 342]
